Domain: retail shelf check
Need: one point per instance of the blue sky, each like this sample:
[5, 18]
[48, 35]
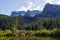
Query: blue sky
[7, 6]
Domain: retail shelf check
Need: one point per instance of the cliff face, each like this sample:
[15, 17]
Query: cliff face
[17, 13]
[51, 11]
[25, 13]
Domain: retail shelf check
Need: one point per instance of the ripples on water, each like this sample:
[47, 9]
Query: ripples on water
[29, 38]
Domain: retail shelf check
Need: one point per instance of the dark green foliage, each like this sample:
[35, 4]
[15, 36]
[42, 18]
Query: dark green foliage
[55, 32]
[24, 23]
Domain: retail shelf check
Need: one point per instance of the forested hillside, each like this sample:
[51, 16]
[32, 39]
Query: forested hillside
[28, 23]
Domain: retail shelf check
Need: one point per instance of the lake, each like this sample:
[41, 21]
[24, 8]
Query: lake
[29, 38]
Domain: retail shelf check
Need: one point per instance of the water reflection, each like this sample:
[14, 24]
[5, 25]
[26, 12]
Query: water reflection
[29, 38]
[15, 38]
[35, 38]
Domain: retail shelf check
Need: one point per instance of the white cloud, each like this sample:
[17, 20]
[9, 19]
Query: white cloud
[22, 9]
[37, 8]
[58, 2]
[31, 6]
[30, 3]
[49, 1]
[52, 1]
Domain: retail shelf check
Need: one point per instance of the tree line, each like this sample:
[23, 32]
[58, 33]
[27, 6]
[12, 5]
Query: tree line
[46, 23]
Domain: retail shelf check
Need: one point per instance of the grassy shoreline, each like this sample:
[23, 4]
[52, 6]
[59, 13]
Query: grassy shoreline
[53, 32]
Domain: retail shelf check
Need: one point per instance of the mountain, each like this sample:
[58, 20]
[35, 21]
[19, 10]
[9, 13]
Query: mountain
[36, 12]
[25, 13]
[28, 14]
[17, 13]
[50, 11]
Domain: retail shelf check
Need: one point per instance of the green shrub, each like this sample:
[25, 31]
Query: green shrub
[55, 32]
[1, 32]
[43, 33]
[22, 31]
[7, 32]
[29, 32]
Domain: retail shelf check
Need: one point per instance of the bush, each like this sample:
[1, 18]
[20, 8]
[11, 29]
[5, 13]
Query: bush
[1, 32]
[5, 32]
[30, 33]
[22, 31]
[55, 32]
[43, 33]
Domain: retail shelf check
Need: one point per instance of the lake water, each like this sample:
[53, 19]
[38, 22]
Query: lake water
[29, 38]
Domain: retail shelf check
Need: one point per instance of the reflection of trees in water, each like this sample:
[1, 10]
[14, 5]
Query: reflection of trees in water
[55, 38]
[28, 38]
[15, 38]
[34, 38]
